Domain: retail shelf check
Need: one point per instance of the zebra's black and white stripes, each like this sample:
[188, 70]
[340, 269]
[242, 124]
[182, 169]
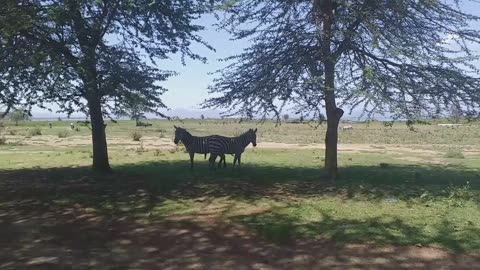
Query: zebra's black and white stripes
[193, 144]
[220, 145]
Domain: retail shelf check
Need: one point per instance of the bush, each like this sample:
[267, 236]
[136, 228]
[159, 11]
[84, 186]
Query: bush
[383, 165]
[35, 131]
[136, 136]
[3, 141]
[63, 134]
[454, 153]
[12, 132]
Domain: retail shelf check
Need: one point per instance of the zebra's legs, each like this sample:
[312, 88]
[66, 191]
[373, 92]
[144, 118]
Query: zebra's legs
[191, 159]
[235, 160]
[222, 158]
[211, 160]
[239, 158]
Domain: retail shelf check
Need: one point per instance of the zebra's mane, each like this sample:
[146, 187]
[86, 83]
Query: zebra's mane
[245, 133]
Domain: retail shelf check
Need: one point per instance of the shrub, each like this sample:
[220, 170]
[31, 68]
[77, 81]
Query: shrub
[454, 153]
[3, 140]
[12, 132]
[35, 131]
[136, 136]
[388, 123]
[63, 134]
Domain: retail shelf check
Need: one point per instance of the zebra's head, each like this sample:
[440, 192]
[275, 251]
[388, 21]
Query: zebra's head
[252, 136]
[180, 134]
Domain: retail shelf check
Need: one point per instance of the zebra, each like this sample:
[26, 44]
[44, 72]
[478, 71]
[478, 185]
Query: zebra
[193, 144]
[220, 145]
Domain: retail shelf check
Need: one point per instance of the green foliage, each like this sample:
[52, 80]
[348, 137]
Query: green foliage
[61, 52]
[388, 123]
[381, 59]
[122, 75]
[18, 115]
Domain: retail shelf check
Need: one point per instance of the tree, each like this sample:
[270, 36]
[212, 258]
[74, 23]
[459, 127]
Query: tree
[455, 113]
[18, 115]
[134, 109]
[202, 116]
[286, 117]
[387, 56]
[92, 56]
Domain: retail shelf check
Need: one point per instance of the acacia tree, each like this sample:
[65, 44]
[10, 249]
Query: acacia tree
[18, 115]
[133, 108]
[91, 55]
[387, 56]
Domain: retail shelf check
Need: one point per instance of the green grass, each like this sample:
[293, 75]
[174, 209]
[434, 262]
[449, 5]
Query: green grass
[283, 199]
[383, 197]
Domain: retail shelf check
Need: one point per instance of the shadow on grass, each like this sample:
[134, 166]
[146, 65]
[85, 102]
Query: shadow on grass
[287, 229]
[174, 179]
[47, 212]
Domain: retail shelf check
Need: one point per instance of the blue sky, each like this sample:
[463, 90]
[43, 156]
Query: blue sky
[189, 88]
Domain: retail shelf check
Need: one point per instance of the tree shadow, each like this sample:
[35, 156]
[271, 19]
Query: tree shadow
[287, 229]
[71, 218]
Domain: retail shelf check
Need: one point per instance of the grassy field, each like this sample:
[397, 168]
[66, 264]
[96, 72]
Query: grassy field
[399, 189]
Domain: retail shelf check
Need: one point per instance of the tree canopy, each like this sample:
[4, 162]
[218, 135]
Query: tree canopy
[93, 56]
[405, 57]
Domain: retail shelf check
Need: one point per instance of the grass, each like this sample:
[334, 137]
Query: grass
[63, 134]
[35, 131]
[430, 198]
[454, 153]
[281, 199]
[301, 133]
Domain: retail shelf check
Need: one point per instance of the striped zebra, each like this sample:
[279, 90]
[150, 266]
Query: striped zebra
[193, 144]
[220, 145]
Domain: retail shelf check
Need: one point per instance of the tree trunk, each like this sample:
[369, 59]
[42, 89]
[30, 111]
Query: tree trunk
[99, 139]
[324, 19]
